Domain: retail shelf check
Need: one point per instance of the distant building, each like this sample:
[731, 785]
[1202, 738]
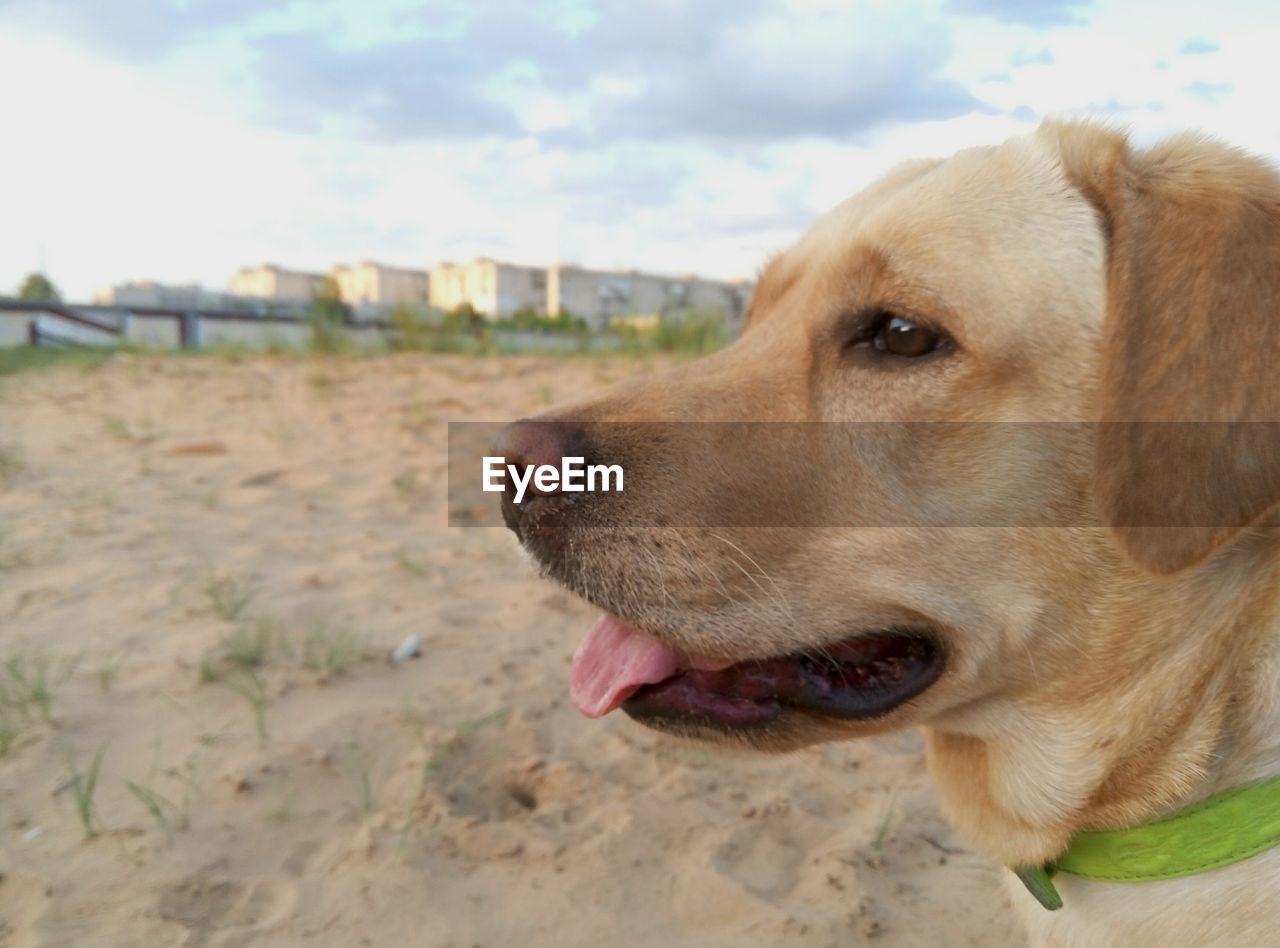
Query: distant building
[493, 288]
[372, 284]
[600, 295]
[270, 282]
[149, 293]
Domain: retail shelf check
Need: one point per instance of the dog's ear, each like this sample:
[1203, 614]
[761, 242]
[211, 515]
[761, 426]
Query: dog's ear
[1189, 445]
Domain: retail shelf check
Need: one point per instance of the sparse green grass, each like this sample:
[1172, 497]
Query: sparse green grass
[8, 735]
[326, 649]
[155, 804]
[209, 671]
[411, 714]
[410, 564]
[11, 464]
[169, 815]
[692, 334]
[24, 358]
[277, 345]
[249, 686]
[11, 559]
[469, 727]
[229, 596]
[358, 766]
[322, 382]
[29, 681]
[417, 416]
[886, 823]
[249, 645]
[435, 761]
[83, 786]
[281, 813]
[331, 650]
[118, 428]
[406, 483]
[107, 668]
[231, 352]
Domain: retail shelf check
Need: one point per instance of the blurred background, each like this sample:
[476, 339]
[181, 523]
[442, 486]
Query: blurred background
[253, 257]
[181, 141]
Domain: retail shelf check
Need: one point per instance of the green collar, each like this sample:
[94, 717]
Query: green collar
[1219, 831]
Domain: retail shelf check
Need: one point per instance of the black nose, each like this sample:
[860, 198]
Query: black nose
[535, 444]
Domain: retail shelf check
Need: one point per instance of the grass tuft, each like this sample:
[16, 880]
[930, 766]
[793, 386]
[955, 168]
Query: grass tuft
[8, 735]
[209, 672]
[886, 823]
[24, 358]
[169, 815]
[435, 761]
[406, 483]
[83, 786]
[331, 650]
[250, 644]
[250, 687]
[29, 681]
[11, 464]
[358, 766]
[229, 596]
[107, 669]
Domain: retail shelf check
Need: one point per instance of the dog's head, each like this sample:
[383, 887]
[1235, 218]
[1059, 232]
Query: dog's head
[951, 532]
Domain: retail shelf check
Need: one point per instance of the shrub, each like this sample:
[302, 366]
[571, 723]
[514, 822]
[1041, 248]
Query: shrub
[327, 318]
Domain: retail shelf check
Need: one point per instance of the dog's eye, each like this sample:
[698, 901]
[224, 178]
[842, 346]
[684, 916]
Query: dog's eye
[895, 335]
[901, 337]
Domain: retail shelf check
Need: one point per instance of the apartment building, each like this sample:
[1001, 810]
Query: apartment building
[373, 284]
[271, 282]
[493, 288]
[156, 295]
[600, 295]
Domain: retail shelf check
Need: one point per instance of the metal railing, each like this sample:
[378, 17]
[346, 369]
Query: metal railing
[111, 320]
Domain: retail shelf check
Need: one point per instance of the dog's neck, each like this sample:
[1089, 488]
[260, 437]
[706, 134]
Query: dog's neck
[1175, 698]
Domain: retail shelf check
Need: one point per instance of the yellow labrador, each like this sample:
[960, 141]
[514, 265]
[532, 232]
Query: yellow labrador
[1084, 617]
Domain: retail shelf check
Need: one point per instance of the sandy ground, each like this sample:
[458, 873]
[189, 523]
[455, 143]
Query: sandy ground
[210, 560]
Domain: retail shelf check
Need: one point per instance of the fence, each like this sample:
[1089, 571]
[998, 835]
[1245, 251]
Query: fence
[42, 323]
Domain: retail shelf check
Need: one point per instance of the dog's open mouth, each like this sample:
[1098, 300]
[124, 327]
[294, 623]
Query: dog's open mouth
[863, 677]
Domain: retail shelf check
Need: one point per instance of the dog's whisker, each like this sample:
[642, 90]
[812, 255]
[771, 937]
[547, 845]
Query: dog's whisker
[777, 595]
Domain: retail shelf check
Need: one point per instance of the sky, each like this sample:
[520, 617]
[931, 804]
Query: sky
[178, 140]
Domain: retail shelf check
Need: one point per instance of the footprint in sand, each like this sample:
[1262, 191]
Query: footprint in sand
[760, 860]
[299, 860]
[216, 910]
[23, 900]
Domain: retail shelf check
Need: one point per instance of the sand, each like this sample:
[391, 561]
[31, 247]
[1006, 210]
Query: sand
[211, 559]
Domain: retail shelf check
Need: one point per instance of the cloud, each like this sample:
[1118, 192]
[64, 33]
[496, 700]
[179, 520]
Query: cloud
[1198, 46]
[623, 177]
[399, 91]
[1114, 106]
[1024, 57]
[1035, 13]
[1211, 92]
[835, 76]
[134, 29]
[715, 71]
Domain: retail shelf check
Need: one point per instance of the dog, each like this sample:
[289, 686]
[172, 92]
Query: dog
[1073, 593]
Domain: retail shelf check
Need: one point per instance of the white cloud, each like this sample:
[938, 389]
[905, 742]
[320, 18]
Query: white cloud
[166, 169]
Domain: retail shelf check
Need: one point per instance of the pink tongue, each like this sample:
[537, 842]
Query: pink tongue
[612, 662]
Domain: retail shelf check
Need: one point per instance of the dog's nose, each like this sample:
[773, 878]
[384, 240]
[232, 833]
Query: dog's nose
[529, 443]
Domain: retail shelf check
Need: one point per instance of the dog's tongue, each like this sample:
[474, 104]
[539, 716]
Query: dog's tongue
[612, 662]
